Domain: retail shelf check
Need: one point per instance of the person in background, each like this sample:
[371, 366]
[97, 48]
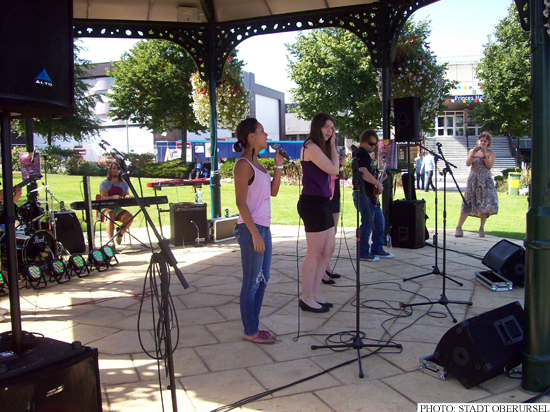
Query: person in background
[206, 168]
[481, 197]
[373, 188]
[115, 188]
[428, 167]
[197, 169]
[253, 190]
[319, 160]
[419, 172]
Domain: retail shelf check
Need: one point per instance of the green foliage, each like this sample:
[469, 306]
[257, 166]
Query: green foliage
[226, 170]
[231, 96]
[16, 165]
[334, 74]
[504, 74]
[141, 159]
[59, 160]
[152, 87]
[171, 169]
[415, 72]
[83, 125]
[502, 184]
[83, 168]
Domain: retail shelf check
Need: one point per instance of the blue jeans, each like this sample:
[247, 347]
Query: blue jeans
[256, 267]
[366, 229]
[419, 179]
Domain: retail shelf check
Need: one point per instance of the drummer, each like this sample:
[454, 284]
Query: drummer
[17, 191]
[115, 188]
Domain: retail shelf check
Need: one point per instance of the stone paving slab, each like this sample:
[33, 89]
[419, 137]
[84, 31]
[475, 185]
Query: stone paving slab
[215, 367]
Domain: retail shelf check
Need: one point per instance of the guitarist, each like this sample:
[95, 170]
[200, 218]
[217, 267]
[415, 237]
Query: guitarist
[373, 187]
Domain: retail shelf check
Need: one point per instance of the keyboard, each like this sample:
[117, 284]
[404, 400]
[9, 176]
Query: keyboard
[124, 202]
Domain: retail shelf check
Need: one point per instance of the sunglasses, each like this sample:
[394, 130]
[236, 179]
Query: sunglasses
[372, 144]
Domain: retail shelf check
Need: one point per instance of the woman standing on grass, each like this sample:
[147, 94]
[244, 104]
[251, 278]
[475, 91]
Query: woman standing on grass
[253, 190]
[319, 160]
[481, 198]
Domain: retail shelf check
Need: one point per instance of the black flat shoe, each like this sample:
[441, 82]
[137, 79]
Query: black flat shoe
[326, 304]
[306, 308]
[333, 275]
[328, 282]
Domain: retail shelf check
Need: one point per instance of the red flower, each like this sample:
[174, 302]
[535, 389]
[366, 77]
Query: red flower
[414, 37]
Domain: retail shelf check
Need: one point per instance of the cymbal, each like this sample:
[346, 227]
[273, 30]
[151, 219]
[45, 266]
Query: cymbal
[42, 187]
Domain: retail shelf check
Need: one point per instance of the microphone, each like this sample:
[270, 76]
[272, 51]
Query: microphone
[276, 147]
[439, 144]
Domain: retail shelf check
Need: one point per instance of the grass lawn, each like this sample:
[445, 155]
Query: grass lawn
[510, 221]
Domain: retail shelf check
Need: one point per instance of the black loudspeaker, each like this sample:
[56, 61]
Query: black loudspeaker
[69, 232]
[481, 347]
[508, 260]
[52, 376]
[36, 57]
[408, 223]
[182, 230]
[407, 119]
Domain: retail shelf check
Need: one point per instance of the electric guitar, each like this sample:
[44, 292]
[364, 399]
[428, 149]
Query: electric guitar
[380, 177]
[31, 179]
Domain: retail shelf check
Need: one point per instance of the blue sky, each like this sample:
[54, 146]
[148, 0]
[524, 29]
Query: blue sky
[459, 30]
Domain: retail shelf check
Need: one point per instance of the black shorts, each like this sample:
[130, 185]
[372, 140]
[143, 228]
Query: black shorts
[335, 201]
[315, 212]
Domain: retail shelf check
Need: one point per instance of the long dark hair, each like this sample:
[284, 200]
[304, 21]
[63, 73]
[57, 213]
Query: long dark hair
[244, 128]
[315, 134]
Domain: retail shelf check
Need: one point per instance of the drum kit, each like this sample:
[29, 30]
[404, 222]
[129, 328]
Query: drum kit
[36, 241]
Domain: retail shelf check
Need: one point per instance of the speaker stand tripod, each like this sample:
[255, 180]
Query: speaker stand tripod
[443, 300]
[357, 341]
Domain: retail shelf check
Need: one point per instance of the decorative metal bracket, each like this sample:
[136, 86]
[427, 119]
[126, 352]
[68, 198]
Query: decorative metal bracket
[523, 10]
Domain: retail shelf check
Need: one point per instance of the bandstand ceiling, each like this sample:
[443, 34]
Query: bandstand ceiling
[222, 10]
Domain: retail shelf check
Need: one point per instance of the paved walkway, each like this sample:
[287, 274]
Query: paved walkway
[215, 367]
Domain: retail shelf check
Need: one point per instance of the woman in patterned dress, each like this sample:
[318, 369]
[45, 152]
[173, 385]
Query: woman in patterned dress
[481, 199]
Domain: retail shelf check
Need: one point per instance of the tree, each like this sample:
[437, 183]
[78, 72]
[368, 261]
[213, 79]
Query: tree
[153, 87]
[504, 75]
[334, 74]
[415, 72]
[81, 126]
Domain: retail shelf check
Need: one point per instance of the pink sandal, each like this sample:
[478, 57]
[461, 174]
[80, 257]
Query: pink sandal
[263, 338]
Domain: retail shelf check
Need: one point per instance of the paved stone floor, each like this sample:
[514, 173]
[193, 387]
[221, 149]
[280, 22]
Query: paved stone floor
[215, 367]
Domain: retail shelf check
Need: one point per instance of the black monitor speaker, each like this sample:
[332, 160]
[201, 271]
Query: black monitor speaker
[184, 221]
[406, 112]
[508, 260]
[482, 347]
[36, 58]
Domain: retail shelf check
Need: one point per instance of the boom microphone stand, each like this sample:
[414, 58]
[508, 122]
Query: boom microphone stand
[357, 341]
[161, 261]
[443, 300]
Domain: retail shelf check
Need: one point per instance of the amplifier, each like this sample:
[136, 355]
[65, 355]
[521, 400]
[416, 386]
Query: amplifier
[69, 232]
[183, 218]
[408, 223]
[221, 228]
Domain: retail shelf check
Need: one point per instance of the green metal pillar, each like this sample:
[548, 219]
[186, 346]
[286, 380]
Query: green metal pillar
[215, 184]
[536, 353]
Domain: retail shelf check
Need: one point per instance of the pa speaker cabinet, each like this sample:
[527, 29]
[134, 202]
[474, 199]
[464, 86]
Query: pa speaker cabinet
[408, 223]
[69, 232]
[53, 376]
[508, 260]
[481, 347]
[406, 112]
[182, 217]
[36, 57]
[222, 228]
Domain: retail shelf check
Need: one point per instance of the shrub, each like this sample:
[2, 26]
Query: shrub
[501, 184]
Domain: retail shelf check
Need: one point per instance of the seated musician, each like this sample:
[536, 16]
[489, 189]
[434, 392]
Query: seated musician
[115, 188]
[17, 192]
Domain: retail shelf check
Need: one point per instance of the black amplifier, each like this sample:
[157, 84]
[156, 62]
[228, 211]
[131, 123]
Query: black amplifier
[183, 218]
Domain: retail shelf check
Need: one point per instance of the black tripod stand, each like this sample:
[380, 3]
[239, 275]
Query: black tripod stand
[357, 341]
[443, 300]
[159, 263]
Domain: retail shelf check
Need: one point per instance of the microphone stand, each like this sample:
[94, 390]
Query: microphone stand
[443, 300]
[159, 261]
[357, 341]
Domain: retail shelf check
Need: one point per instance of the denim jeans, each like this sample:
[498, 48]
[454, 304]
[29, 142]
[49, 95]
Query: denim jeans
[419, 179]
[429, 181]
[256, 267]
[366, 229]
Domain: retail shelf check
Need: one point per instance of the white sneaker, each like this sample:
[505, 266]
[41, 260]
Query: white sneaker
[385, 255]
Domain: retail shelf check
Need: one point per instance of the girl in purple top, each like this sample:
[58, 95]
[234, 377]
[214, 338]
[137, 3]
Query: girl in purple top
[319, 159]
[253, 189]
